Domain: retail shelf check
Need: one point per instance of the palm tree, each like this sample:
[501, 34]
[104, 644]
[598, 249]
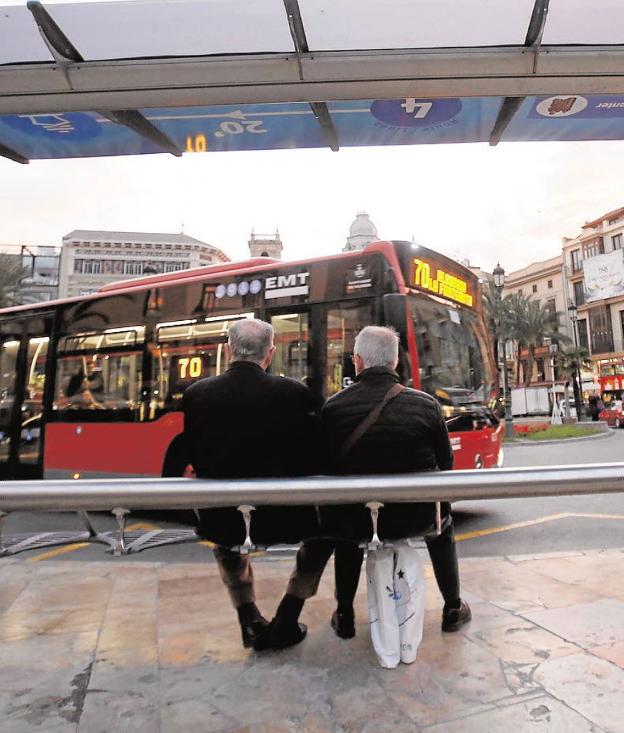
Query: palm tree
[540, 324]
[12, 272]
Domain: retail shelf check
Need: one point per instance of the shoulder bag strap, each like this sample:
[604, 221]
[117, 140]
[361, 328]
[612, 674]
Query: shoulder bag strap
[370, 419]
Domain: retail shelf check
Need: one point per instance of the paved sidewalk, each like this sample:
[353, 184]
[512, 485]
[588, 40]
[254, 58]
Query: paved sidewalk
[110, 646]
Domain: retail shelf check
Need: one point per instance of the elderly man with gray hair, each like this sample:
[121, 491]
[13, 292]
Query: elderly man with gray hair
[246, 423]
[377, 426]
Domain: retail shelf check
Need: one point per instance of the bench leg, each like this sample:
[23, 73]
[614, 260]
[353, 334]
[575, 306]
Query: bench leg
[247, 546]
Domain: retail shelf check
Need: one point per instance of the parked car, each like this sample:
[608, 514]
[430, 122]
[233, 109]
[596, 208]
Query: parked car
[613, 414]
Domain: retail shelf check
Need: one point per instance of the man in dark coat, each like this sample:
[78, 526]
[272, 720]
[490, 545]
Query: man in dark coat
[246, 423]
[409, 436]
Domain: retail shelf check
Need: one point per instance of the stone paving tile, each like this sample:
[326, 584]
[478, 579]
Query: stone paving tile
[587, 624]
[612, 652]
[24, 713]
[9, 592]
[108, 712]
[521, 643]
[593, 687]
[521, 588]
[540, 715]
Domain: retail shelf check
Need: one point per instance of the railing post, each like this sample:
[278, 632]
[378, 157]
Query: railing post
[3, 516]
[247, 546]
[120, 515]
[374, 507]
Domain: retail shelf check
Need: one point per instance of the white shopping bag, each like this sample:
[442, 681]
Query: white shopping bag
[396, 603]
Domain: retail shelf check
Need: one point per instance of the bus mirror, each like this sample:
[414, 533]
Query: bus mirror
[395, 313]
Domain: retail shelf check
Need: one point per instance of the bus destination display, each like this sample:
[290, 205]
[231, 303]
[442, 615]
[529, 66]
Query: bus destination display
[428, 276]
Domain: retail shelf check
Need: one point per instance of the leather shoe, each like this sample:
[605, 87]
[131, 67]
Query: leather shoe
[279, 636]
[250, 631]
[343, 624]
[454, 618]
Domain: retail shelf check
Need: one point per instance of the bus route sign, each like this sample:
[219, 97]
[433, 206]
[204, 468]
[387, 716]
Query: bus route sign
[426, 275]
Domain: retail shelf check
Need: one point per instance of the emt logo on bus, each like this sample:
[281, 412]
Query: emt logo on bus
[444, 284]
[285, 286]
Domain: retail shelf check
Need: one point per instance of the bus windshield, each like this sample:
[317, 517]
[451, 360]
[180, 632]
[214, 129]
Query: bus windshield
[452, 359]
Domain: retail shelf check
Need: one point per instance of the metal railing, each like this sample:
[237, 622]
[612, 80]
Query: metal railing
[121, 496]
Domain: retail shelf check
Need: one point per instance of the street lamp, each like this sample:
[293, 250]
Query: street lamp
[576, 380]
[553, 347]
[498, 275]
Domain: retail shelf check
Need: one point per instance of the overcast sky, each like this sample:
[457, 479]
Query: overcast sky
[513, 202]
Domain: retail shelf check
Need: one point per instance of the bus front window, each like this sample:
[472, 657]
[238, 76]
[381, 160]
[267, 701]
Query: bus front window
[452, 363]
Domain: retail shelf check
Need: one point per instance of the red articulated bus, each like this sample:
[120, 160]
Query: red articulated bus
[92, 386]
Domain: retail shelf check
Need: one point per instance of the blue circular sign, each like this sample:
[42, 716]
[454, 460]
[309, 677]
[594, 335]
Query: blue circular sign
[255, 287]
[220, 291]
[415, 112]
[243, 288]
[70, 126]
[231, 290]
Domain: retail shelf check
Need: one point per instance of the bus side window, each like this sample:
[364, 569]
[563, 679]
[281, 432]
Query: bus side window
[343, 324]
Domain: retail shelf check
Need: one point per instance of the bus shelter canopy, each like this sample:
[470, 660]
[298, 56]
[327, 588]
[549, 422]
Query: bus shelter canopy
[147, 76]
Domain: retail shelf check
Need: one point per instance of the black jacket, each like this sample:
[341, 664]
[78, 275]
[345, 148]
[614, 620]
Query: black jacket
[410, 436]
[246, 423]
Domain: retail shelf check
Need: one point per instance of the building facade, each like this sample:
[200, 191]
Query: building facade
[544, 283]
[265, 245]
[594, 268]
[90, 259]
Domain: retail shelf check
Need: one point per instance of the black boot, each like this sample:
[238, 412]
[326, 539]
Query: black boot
[285, 629]
[252, 623]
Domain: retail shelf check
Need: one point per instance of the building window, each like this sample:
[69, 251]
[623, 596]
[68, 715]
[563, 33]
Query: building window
[550, 284]
[583, 340]
[600, 330]
[576, 260]
[519, 291]
[133, 268]
[91, 267]
[78, 266]
[616, 241]
[175, 266]
[534, 288]
[594, 248]
[579, 293]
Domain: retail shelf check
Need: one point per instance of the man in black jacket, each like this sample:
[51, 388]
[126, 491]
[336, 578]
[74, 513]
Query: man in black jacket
[409, 436]
[246, 423]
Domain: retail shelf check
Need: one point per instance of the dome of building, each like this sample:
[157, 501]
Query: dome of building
[361, 233]
[363, 226]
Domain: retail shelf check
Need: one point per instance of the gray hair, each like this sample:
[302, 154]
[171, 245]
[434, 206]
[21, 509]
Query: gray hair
[377, 346]
[250, 339]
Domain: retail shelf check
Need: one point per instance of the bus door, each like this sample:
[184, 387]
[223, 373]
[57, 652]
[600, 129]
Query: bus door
[341, 324]
[314, 344]
[293, 350]
[23, 365]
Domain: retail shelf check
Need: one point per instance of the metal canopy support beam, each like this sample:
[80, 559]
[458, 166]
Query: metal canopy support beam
[330, 76]
[533, 40]
[65, 53]
[61, 48]
[320, 109]
[12, 155]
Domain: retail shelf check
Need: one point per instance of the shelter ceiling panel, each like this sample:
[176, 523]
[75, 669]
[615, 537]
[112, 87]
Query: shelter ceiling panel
[333, 25]
[161, 28]
[598, 22]
[19, 38]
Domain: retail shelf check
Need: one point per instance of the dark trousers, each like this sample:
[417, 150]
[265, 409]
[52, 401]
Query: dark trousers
[237, 574]
[313, 556]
